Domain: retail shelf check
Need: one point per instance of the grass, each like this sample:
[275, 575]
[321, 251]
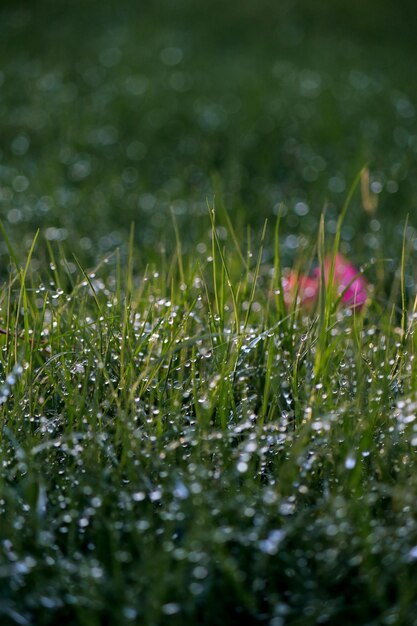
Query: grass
[178, 445]
[169, 437]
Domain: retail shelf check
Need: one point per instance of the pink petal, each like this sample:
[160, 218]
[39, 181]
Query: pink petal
[306, 288]
[348, 281]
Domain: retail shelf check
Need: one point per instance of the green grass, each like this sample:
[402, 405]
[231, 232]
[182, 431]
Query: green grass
[173, 451]
[178, 446]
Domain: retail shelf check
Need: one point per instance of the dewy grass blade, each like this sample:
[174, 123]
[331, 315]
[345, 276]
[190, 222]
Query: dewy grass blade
[279, 291]
[224, 267]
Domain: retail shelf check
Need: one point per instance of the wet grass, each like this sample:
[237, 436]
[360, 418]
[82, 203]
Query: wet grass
[178, 446]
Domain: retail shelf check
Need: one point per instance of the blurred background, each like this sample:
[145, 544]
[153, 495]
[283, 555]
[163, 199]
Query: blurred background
[113, 112]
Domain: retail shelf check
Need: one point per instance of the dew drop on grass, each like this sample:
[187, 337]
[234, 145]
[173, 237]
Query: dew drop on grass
[200, 572]
[155, 495]
[180, 491]
[171, 608]
[242, 467]
[350, 462]
[271, 543]
[412, 555]
[129, 613]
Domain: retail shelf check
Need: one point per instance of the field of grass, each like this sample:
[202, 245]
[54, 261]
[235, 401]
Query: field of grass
[178, 446]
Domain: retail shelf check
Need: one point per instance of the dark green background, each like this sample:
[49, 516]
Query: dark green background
[282, 102]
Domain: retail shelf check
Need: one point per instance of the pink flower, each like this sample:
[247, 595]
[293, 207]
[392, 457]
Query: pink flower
[347, 280]
[305, 287]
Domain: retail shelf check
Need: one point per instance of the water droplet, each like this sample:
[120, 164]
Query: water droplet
[350, 462]
[171, 608]
[180, 491]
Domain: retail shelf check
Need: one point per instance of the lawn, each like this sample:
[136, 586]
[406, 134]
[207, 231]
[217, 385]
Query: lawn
[183, 441]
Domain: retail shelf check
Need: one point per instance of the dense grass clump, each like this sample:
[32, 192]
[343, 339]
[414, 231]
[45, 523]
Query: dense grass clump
[178, 447]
